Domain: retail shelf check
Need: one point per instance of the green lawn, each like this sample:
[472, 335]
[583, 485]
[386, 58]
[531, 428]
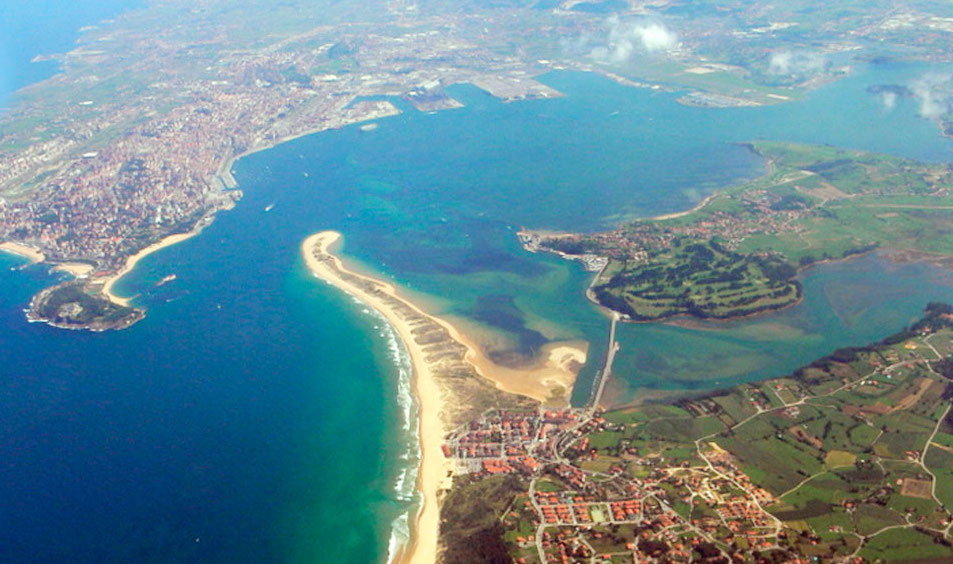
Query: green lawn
[738, 254]
[906, 544]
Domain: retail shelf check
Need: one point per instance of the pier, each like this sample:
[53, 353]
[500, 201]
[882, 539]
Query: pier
[603, 375]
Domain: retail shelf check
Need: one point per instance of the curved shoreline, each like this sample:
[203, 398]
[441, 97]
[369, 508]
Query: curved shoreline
[422, 547]
[228, 184]
[130, 264]
[556, 370]
[80, 270]
[700, 205]
[29, 253]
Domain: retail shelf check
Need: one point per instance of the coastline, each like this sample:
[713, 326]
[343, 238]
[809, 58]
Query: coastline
[131, 262]
[422, 548]
[83, 270]
[95, 288]
[33, 255]
[224, 172]
[228, 191]
[555, 373]
[553, 370]
[698, 206]
[689, 321]
[75, 269]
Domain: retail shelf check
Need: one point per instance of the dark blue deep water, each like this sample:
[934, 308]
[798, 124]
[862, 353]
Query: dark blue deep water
[254, 415]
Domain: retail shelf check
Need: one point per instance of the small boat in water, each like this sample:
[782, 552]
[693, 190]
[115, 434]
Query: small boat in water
[166, 280]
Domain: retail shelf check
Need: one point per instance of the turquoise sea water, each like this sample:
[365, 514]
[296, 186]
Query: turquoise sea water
[253, 416]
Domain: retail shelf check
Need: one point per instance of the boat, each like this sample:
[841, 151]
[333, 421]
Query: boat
[166, 280]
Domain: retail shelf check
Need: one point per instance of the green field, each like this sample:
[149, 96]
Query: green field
[849, 455]
[739, 254]
[832, 442]
[702, 279]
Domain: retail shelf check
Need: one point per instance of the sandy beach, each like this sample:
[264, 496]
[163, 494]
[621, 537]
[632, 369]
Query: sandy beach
[412, 325]
[75, 269]
[134, 259]
[430, 401]
[548, 381]
[22, 250]
[694, 209]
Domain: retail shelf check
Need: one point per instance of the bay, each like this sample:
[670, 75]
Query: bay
[253, 415]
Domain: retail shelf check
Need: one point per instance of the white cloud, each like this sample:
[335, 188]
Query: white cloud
[934, 92]
[889, 100]
[786, 63]
[655, 37]
[627, 38]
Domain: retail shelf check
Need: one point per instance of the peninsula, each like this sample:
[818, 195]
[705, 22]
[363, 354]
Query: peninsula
[130, 148]
[738, 253]
[453, 380]
[134, 139]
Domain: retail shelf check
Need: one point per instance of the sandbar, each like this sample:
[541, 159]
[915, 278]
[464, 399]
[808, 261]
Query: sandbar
[559, 365]
[328, 267]
[549, 380]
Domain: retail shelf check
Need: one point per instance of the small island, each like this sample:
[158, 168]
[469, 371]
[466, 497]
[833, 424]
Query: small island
[77, 305]
[739, 252]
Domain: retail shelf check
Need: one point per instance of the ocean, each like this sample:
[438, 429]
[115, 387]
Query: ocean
[45, 27]
[259, 415]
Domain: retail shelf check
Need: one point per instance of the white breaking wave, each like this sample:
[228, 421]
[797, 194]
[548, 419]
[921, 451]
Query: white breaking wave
[406, 495]
[405, 484]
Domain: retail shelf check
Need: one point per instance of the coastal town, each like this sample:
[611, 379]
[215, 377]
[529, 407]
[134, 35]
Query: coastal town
[131, 147]
[134, 139]
[672, 483]
[123, 176]
[579, 502]
[104, 176]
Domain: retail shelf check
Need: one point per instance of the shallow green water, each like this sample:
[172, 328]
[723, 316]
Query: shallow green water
[253, 416]
[849, 303]
[434, 201]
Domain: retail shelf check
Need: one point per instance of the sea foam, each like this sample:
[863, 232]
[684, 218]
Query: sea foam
[406, 496]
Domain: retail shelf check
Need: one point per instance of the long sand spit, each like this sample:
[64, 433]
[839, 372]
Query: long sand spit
[453, 380]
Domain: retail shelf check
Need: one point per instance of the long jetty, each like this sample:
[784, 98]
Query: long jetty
[602, 376]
